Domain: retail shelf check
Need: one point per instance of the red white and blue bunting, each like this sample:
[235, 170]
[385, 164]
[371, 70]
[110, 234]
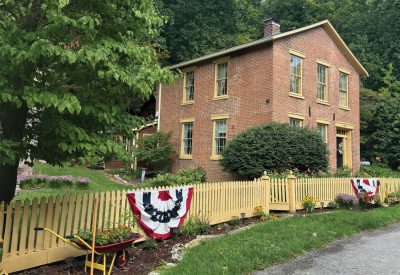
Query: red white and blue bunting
[365, 186]
[160, 211]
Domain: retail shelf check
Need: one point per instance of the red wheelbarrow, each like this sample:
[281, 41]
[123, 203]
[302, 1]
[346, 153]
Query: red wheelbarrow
[118, 251]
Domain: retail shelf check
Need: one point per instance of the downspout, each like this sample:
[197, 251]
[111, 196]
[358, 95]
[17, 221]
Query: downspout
[159, 107]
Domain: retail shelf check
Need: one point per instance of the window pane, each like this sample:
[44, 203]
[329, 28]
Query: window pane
[220, 136]
[295, 75]
[295, 122]
[187, 138]
[222, 77]
[343, 92]
[322, 82]
[323, 130]
[189, 86]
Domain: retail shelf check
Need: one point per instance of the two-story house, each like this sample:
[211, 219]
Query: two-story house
[306, 77]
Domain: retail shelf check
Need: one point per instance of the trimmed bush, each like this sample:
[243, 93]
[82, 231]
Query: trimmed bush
[183, 177]
[275, 148]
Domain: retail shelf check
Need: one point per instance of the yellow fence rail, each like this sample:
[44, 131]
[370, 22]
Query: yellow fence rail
[25, 248]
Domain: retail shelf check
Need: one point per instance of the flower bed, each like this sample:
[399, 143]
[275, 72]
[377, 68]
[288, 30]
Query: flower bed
[43, 181]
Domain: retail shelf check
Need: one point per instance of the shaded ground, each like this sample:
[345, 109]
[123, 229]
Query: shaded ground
[371, 252]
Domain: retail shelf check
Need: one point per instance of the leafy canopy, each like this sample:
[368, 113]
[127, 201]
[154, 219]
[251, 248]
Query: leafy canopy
[276, 148]
[70, 71]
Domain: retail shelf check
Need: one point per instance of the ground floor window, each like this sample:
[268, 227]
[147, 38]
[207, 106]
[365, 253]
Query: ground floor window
[187, 135]
[322, 129]
[295, 122]
[220, 136]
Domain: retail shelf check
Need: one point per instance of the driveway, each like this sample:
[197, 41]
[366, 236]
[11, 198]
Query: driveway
[371, 252]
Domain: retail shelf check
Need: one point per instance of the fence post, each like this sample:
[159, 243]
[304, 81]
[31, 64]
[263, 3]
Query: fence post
[266, 182]
[291, 180]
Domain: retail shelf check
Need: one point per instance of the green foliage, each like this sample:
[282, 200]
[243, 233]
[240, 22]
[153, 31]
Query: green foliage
[379, 170]
[234, 221]
[195, 225]
[183, 177]
[196, 28]
[155, 150]
[332, 205]
[70, 71]
[276, 148]
[112, 233]
[383, 142]
[149, 244]
[343, 172]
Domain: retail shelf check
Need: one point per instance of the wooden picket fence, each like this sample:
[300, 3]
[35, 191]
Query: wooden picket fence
[219, 202]
[25, 248]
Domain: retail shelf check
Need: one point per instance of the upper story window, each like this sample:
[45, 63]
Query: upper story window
[221, 79]
[296, 122]
[322, 82]
[188, 89]
[296, 74]
[343, 89]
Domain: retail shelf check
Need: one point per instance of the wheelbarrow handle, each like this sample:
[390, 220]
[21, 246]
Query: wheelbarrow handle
[38, 228]
[70, 237]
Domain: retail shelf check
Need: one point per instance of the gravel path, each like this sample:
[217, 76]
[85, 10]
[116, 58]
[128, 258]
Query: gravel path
[371, 252]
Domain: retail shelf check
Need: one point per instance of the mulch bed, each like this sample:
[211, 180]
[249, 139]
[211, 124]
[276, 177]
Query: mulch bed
[142, 260]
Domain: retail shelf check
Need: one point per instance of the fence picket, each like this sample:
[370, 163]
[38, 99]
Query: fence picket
[32, 225]
[15, 228]
[24, 228]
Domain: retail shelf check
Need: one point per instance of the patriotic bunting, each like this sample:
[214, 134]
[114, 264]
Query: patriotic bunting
[159, 211]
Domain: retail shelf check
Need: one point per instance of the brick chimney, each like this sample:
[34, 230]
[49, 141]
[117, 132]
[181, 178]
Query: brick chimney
[271, 27]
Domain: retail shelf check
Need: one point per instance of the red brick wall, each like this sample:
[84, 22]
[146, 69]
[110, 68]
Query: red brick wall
[316, 44]
[255, 76]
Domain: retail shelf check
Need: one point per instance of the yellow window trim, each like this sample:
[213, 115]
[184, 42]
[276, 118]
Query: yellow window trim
[297, 53]
[219, 117]
[327, 65]
[216, 62]
[323, 121]
[221, 60]
[296, 116]
[300, 94]
[220, 97]
[182, 155]
[343, 107]
[344, 125]
[214, 118]
[186, 70]
[185, 120]
[323, 62]
[346, 108]
[344, 70]
[296, 95]
[323, 102]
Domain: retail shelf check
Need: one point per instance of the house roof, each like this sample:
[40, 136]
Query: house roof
[325, 24]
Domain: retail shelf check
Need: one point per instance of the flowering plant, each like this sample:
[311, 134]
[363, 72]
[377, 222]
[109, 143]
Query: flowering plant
[346, 201]
[259, 211]
[42, 180]
[309, 203]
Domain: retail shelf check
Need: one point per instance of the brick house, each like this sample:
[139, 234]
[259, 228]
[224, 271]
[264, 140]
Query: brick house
[307, 77]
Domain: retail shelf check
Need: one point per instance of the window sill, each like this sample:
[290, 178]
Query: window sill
[220, 97]
[323, 102]
[344, 108]
[186, 157]
[296, 96]
[187, 103]
[216, 157]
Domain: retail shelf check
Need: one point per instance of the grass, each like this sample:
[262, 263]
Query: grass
[99, 182]
[278, 241]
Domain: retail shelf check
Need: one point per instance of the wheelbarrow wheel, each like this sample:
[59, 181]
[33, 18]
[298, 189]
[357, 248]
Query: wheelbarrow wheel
[122, 258]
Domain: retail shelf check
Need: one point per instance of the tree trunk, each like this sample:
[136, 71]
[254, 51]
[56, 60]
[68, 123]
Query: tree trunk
[8, 176]
[13, 122]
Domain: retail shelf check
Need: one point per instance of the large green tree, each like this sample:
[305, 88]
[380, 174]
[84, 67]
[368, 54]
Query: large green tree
[69, 71]
[196, 28]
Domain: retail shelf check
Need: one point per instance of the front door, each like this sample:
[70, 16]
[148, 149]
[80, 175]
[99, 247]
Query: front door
[343, 148]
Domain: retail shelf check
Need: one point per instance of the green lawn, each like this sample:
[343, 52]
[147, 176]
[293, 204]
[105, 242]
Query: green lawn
[277, 241]
[99, 182]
